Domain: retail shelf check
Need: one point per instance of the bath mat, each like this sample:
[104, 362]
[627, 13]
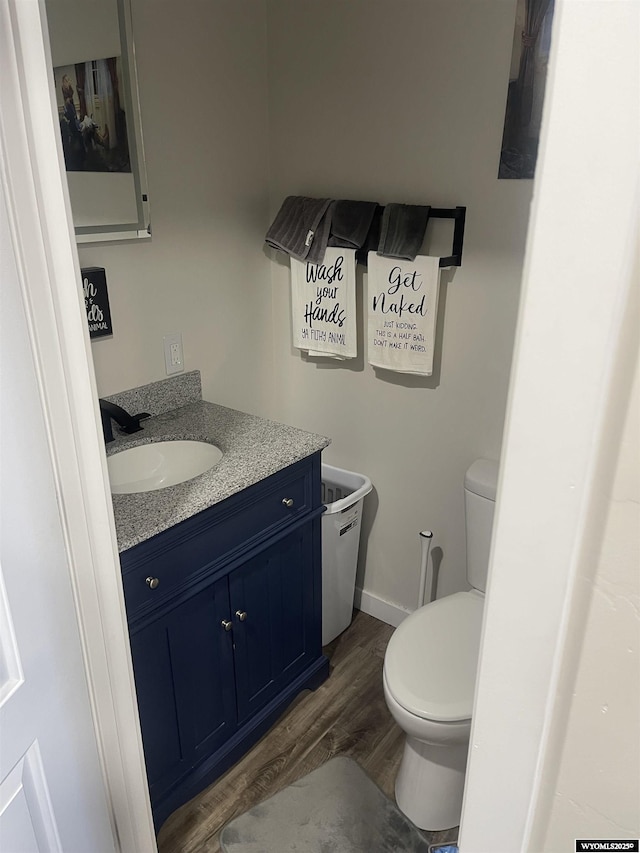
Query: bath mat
[334, 809]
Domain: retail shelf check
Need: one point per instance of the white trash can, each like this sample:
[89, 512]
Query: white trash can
[343, 493]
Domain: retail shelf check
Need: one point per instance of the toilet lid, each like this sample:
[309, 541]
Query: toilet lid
[430, 662]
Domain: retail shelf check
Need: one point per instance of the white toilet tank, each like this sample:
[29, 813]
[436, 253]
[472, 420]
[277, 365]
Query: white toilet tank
[480, 484]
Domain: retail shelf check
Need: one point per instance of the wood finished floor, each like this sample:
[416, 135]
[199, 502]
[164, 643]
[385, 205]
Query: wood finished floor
[347, 715]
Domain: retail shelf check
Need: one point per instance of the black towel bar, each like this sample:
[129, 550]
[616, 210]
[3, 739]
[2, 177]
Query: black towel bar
[458, 214]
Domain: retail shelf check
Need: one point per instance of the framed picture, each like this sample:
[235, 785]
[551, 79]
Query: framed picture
[96, 301]
[95, 88]
[93, 122]
[527, 79]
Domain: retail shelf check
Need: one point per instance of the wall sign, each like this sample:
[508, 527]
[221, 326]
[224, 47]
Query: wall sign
[324, 304]
[96, 301]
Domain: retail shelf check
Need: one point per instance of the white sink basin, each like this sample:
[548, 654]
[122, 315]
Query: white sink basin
[162, 463]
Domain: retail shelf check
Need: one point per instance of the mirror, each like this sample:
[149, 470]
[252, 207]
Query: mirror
[97, 99]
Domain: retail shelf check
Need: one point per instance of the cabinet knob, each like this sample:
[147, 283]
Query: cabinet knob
[241, 614]
[226, 624]
[287, 502]
[152, 583]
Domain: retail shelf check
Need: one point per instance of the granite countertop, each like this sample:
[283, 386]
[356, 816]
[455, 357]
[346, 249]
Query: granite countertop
[253, 448]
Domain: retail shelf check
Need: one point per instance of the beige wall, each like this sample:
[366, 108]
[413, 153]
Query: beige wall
[403, 101]
[389, 101]
[204, 114]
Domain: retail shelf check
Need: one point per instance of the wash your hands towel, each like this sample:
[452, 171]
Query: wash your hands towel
[402, 309]
[350, 223]
[402, 231]
[323, 303]
[301, 228]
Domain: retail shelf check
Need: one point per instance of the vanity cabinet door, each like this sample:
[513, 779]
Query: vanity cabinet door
[183, 666]
[274, 628]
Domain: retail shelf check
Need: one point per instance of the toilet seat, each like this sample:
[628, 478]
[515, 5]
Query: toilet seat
[431, 659]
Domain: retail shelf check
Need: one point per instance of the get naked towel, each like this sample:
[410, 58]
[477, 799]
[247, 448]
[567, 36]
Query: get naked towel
[323, 304]
[403, 306]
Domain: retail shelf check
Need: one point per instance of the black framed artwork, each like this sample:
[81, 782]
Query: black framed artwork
[527, 81]
[96, 301]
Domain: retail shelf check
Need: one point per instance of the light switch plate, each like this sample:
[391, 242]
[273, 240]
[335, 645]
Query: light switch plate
[173, 357]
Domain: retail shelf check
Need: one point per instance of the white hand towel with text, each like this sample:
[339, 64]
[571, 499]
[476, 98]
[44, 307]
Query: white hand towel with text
[403, 306]
[323, 302]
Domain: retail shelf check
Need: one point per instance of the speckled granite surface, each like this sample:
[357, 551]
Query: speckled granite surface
[162, 396]
[253, 448]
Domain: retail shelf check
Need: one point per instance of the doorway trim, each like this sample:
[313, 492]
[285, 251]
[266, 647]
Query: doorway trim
[575, 353]
[44, 242]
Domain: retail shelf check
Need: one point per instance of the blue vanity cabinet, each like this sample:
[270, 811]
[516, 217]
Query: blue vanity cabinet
[183, 666]
[274, 627]
[224, 615]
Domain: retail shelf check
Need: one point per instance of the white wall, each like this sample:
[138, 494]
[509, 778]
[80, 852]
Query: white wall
[550, 628]
[203, 98]
[596, 788]
[403, 101]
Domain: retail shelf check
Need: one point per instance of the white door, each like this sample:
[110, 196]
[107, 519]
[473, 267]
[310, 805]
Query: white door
[52, 793]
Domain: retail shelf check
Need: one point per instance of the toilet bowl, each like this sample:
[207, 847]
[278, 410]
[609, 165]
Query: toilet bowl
[429, 679]
[430, 672]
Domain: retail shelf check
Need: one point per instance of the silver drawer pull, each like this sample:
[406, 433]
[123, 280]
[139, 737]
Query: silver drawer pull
[241, 614]
[152, 583]
[226, 624]
[288, 502]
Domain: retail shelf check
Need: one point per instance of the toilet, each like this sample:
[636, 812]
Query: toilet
[430, 672]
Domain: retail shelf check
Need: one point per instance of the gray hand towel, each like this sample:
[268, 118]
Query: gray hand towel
[350, 223]
[301, 228]
[402, 231]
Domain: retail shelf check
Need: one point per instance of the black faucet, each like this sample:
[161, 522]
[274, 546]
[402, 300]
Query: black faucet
[127, 423]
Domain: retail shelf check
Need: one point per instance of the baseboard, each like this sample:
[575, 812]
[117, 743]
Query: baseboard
[386, 611]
